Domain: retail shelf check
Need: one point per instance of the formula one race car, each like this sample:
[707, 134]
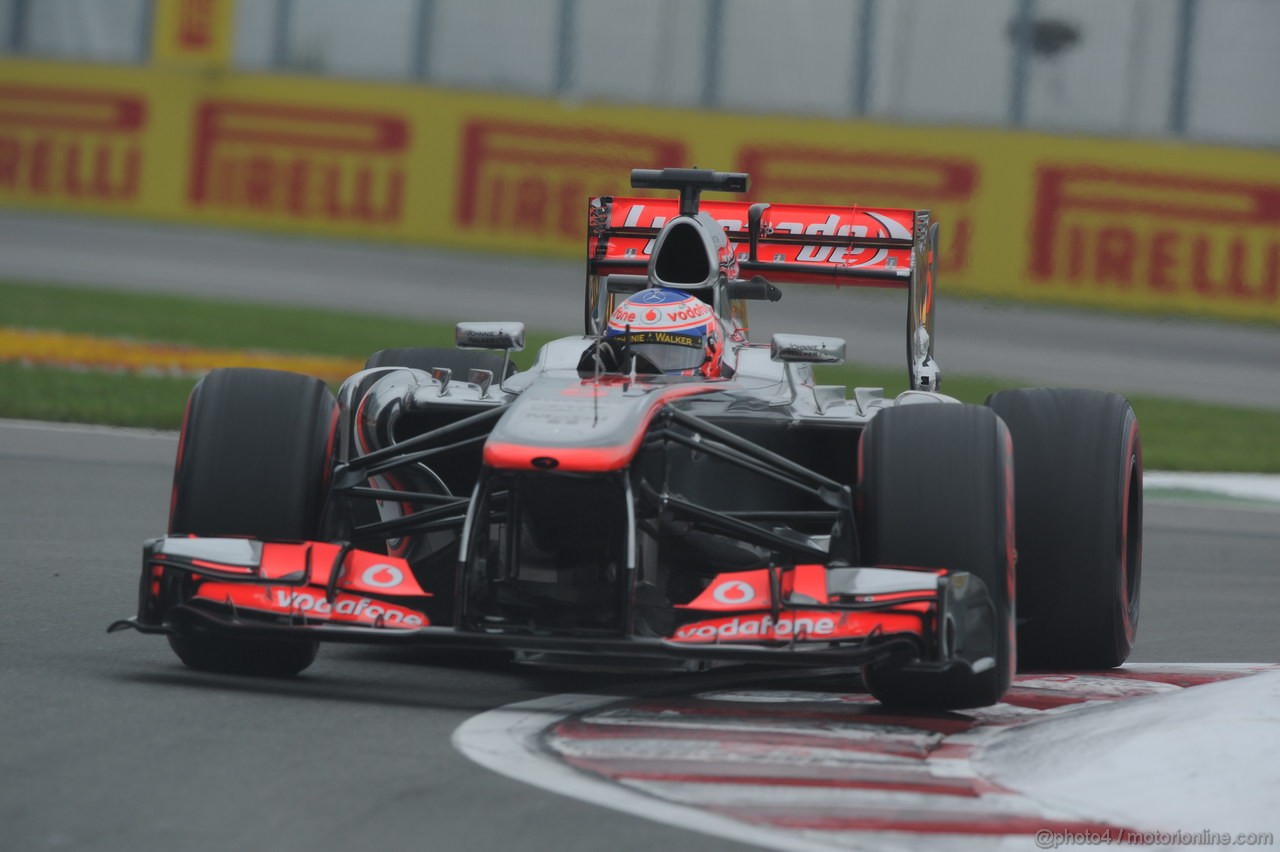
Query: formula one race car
[660, 486]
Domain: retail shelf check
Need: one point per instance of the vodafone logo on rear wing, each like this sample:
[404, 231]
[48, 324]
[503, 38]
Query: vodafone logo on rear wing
[782, 228]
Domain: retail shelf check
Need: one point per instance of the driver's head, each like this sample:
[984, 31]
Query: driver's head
[674, 331]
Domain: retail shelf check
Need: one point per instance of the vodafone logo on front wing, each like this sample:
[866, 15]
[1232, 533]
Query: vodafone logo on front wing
[382, 576]
[379, 574]
[759, 627]
[347, 608]
[734, 592]
[314, 603]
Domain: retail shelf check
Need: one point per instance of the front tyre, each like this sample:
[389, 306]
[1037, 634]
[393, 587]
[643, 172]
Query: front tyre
[253, 460]
[1078, 457]
[935, 486]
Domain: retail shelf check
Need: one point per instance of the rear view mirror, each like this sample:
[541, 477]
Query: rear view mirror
[506, 336]
[756, 288]
[806, 349]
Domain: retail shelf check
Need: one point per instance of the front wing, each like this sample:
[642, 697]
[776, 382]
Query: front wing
[790, 615]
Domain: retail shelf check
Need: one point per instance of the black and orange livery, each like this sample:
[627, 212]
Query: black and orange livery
[583, 508]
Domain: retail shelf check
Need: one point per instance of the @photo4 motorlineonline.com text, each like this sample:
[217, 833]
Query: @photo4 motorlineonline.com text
[1048, 839]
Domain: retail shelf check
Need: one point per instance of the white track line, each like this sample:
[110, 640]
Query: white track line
[1247, 486]
[87, 429]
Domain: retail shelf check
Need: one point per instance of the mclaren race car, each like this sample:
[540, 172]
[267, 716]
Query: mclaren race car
[661, 486]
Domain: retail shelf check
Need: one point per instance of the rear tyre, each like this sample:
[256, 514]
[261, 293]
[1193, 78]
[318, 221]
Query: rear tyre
[1078, 463]
[935, 491]
[253, 460]
[457, 360]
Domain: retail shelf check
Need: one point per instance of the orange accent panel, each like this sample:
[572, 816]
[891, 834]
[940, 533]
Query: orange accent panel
[587, 459]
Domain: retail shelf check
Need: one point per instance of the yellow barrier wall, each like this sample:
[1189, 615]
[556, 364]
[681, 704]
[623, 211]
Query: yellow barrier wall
[1143, 225]
[192, 33]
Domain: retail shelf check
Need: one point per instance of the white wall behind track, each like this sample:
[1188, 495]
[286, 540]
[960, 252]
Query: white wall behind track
[1113, 67]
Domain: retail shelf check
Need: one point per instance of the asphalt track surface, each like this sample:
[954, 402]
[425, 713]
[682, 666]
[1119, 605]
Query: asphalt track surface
[108, 743]
[1199, 360]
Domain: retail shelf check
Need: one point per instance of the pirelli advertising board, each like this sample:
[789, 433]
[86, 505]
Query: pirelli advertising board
[192, 33]
[1142, 225]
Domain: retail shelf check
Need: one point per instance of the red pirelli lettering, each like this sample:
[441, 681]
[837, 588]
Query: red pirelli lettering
[196, 23]
[71, 143]
[57, 108]
[533, 178]
[1129, 231]
[305, 163]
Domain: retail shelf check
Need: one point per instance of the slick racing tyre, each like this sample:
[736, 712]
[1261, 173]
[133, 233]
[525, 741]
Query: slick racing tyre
[934, 491]
[457, 360]
[1078, 468]
[253, 460]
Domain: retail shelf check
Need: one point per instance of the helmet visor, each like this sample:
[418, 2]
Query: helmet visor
[669, 351]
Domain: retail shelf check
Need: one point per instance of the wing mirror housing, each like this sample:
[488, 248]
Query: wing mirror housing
[506, 336]
[806, 349]
[756, 288]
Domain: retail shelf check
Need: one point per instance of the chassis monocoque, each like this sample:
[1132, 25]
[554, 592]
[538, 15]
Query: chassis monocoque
[566, 512]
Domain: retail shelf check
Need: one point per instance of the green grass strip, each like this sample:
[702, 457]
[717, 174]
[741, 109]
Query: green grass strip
[210, 323]
[80, 396]
[1176, 435]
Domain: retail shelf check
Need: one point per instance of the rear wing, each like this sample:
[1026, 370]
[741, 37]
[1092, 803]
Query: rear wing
[788, 244]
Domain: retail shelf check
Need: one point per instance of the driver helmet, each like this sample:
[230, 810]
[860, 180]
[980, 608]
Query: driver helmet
[676, 332]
